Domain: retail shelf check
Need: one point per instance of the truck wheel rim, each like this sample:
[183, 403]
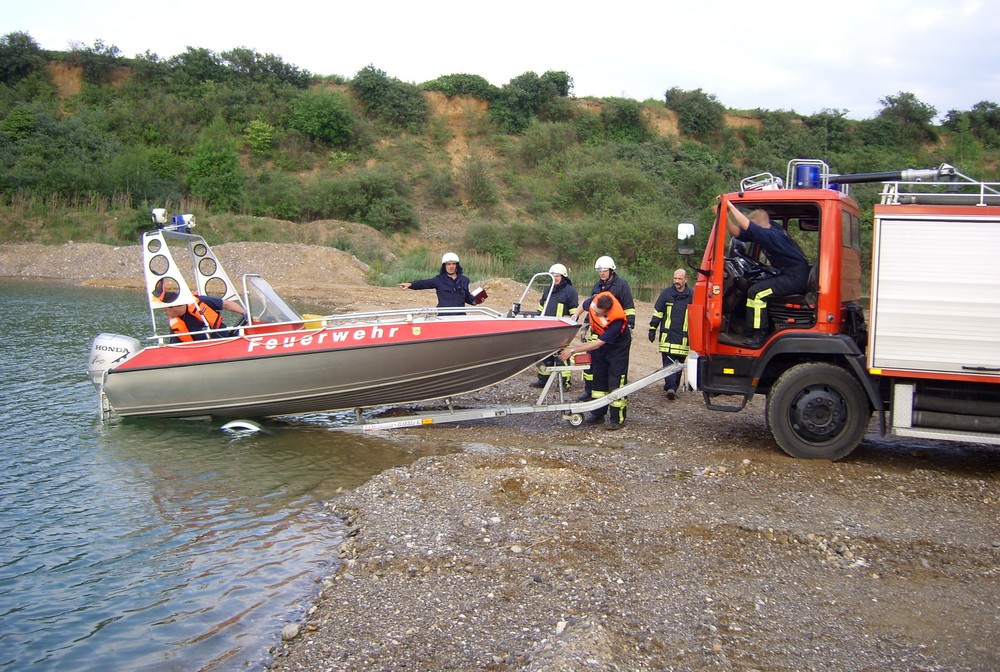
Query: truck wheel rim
[818, 413]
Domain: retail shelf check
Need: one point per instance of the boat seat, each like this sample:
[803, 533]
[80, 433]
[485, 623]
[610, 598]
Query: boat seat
[796, 310]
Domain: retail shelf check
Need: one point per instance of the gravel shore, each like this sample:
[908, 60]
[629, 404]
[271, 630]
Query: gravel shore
[686, 541]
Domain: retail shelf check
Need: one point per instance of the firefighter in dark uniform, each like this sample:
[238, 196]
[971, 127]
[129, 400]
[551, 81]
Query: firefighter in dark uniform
[782, 252]
[670, 316]
[609, 281]
[189, 323]
[563, 301]
[609, 354]
[451, 285]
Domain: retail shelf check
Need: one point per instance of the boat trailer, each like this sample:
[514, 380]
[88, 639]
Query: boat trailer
[572, 411]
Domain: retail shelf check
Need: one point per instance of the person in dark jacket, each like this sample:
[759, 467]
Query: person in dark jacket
[451, 286]
[562, 302]
[670, 316]
[782, 252]
[190, 322]
[609, 354]
[609, 281]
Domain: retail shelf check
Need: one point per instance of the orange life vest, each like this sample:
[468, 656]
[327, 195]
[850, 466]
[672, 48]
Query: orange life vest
[597, 323]
[202, 312]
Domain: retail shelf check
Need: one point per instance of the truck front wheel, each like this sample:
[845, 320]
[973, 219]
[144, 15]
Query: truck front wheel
[817, 410]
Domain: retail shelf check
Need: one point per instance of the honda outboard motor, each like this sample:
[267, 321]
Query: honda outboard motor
[105, 352]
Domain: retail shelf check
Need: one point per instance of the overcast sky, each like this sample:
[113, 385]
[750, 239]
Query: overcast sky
[772, 54]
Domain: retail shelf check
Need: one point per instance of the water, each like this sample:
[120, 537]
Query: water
[141, 544]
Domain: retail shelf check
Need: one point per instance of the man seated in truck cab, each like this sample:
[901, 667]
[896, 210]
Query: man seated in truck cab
[785, 257]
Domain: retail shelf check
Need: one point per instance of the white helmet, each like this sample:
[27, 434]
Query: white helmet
[558, 269]
[604, 262]
[449, 257]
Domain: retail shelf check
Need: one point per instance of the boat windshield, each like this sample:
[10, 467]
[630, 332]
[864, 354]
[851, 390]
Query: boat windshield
[264, 304]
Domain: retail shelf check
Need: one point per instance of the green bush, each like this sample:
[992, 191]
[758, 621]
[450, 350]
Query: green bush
[623, 121]
[605, 187]
[20, 56]
[390, 213]
[544, 143]
[214, 173]
[260, 137]
[440, 188]
[493, 239]
[699, 114]
[525, 97]
[19, 124]
[373, 196]
[478, 184]
[97, 62]
[462, 85]
[275, 194]
[323, 116]
[397, 104]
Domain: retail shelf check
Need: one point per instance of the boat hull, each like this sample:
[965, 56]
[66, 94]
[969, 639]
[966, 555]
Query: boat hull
[302, 371]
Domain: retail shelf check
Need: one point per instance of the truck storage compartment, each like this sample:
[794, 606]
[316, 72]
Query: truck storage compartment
[921, 321]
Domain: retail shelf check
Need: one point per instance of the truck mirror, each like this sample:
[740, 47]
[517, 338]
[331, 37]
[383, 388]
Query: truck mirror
[685, 238]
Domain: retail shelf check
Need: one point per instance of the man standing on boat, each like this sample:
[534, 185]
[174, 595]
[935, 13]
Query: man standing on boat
[188, 323]
[609, 354]
[609, 281]
[451, 286]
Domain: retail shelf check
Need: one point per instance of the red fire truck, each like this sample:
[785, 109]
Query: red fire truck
[922, 353]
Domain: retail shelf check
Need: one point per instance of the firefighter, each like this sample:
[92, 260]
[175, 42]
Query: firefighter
[608, 281]
[609, 353]
[451, 285]
[564, 300]
[782, 252]
[188, 323]
[670, 315]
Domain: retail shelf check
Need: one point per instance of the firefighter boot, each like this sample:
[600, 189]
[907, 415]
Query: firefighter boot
[540, 382]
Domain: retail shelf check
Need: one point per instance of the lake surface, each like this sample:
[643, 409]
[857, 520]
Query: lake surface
[150, 544]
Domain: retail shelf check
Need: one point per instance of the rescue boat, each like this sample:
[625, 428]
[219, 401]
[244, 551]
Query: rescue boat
[278, 362]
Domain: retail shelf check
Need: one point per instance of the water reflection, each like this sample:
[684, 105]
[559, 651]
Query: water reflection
[151, 544]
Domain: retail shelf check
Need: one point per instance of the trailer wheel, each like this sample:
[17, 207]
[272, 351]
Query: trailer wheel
[817, 410]
[574, 419]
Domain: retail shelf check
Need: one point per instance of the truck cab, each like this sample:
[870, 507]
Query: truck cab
[813, 361]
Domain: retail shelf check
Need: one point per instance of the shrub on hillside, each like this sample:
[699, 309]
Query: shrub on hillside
[440, 188]
[462, 85]
[322, 116]
[20, 56]
[275, 194]
[983, 122]
[478, 184]
[214, 172]
[605, 187]
[543, 142]
[699, 114]
[497, 240]
[396, 103]
[525, 97]
[623, 121]
[374, 197]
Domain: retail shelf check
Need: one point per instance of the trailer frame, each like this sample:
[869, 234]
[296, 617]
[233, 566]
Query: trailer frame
[572, 411]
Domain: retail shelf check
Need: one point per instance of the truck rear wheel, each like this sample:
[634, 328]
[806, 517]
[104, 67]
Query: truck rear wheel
[817, 410]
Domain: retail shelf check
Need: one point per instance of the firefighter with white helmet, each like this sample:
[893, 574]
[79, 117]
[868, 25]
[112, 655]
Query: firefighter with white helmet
[562, 300]
[609, 281]
[604, 262]
[451, 285]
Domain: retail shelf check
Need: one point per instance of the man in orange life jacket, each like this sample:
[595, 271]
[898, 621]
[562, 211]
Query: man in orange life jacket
[609, 353]
[188, 322]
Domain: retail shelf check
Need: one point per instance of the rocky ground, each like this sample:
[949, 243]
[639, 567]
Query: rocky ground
[686, 541]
